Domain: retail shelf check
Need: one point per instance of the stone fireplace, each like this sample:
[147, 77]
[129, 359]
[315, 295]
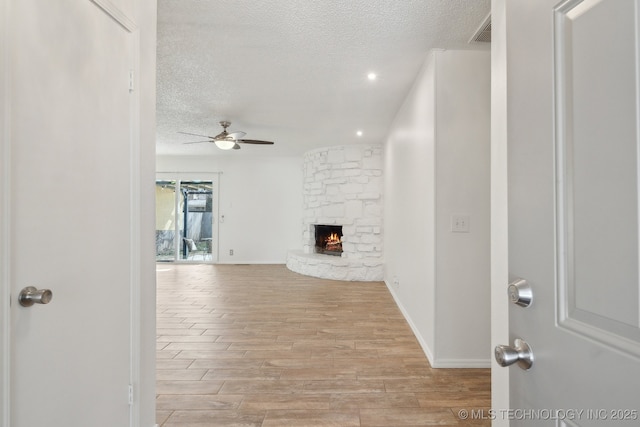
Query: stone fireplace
[342, 188]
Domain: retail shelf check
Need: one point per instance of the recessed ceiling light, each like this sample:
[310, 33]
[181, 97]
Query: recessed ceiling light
[372, 76]
[359, 133]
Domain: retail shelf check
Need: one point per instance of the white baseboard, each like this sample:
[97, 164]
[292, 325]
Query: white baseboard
[462, 363]
[439, 363]
[414, 329]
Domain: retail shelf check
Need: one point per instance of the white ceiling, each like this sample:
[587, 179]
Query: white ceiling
[295, 71]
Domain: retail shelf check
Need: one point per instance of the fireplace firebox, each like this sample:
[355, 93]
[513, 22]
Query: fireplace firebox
[329, 239]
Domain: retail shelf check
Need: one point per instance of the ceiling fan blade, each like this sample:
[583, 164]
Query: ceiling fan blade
[196, 134]
[236, 135]
[254, 141]
[196, 142]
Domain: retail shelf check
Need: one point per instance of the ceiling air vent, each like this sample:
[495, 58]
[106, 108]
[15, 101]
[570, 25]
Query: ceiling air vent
[483, 34]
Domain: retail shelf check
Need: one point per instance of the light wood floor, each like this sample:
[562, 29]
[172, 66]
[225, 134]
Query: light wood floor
[258, 345]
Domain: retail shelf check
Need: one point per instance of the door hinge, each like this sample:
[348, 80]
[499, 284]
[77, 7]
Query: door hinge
[131, 81]
[130, 394]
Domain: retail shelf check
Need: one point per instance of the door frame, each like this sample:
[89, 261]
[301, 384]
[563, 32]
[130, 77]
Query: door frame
[499, 205]
[5, 185]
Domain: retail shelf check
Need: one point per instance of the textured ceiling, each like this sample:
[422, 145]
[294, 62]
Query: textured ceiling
[295, 71]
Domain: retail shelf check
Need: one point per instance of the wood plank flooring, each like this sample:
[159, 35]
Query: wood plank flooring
[259, 345]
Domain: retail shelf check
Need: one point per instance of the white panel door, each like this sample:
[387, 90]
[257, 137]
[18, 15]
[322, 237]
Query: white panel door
[573, 149]
[71, 204]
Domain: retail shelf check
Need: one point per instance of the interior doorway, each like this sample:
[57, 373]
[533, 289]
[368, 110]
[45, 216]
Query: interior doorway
[185, 226]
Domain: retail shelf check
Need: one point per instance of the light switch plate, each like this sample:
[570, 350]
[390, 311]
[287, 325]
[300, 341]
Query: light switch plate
[460, 223]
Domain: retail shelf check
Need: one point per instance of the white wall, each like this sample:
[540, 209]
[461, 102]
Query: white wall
[463, 186]
[409, 208]
[261, 200]
[437, 165]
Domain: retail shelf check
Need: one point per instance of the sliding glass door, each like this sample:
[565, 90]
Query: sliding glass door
[165, 220]
[185, 229]
[196, 220]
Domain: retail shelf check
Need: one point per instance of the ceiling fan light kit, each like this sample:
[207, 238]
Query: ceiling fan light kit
[227, 141]
[225, 144]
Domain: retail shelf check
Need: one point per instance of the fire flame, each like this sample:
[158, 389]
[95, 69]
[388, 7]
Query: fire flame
[333, 238]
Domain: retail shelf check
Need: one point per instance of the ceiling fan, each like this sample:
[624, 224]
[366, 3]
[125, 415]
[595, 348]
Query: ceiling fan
[227, 140]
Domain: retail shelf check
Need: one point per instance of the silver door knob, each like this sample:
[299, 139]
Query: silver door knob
[520, 293]
[520, 353]
[30, 295]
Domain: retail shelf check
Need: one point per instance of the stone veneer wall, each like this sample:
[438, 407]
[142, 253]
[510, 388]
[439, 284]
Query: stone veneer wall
[343, 186]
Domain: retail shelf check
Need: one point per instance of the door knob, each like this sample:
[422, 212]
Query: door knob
[30, 295]
[520, 353]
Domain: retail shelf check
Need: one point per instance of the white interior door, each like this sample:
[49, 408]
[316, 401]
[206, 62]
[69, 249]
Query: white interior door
[71, 142]
[573, 149]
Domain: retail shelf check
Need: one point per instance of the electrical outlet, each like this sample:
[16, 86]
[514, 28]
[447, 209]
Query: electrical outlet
[230, 251]
[396, 282]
